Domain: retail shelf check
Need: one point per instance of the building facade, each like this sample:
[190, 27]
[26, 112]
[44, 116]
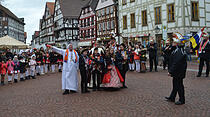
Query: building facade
[141, 20]
[87, 24]
[66, 21]
[11, 25]
[107, 20]
[35, 42]
[47, 25]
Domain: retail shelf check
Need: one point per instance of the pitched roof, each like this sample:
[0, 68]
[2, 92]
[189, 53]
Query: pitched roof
[71, 8]
[92, 4]
[10, 14]
[51, 5]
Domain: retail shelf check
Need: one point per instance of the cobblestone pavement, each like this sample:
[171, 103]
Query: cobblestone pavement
[144, 97]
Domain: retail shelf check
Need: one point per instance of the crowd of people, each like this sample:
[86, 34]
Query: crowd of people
[101, 67]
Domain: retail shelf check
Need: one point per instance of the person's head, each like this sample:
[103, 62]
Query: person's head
[8, 50]
[107, 51]
[205, 36]
[130, 47]
[152, 41]
[167, 42]
[42, 49]
[15, 58]
[111, 51]
[137, 46]
[9, 59]
[70, 47]
[33, 57]
[96, 50]
[85, 52]
[122, 47]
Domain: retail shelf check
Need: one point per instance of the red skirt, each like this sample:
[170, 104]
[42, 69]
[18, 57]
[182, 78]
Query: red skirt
[60, 60]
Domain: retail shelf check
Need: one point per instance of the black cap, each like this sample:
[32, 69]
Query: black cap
[123, 45]
[84, 51]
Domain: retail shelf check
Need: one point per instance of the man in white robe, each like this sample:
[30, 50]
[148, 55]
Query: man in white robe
[70, 67]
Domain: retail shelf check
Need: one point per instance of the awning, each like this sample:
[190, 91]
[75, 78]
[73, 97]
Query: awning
[85, 43]
[11, 43]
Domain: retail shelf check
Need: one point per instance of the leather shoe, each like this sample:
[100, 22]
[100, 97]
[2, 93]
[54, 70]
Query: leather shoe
[66, 92]
[169, 99]
[179, 103]
[207, 75]
[198, 75]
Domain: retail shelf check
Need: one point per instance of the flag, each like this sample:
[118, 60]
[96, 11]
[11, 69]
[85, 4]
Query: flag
[179, 36]
[195, 40]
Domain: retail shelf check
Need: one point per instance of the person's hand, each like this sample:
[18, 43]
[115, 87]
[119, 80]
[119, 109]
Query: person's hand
[169, 74]
[48, 46]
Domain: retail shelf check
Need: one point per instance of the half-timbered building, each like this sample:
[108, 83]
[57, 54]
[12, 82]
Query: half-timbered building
[107, 20]
[87, 24]
[47, 25]
[66, 21]
[11, 25]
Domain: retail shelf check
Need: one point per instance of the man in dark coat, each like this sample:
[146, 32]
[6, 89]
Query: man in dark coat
[84, 66]
[166, 54]
[177, 70]
[152, 55]
[204, 54]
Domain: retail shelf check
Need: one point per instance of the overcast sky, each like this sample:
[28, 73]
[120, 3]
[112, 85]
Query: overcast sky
[31, 10]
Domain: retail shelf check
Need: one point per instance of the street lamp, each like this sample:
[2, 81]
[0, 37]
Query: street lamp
[157, 29]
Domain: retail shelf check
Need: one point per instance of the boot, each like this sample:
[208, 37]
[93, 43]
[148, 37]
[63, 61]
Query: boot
[2, 82]
[15, 81]
[21, 79]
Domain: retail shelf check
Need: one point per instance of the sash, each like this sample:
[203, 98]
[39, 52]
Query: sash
[204, 45]
[67, 55]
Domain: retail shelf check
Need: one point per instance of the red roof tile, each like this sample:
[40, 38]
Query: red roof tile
[51, 5]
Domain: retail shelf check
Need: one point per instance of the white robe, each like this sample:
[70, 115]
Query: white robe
[69, 73]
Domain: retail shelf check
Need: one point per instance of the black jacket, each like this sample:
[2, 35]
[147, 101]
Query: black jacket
[178, 63]
[152, 50]
[205, 53]
[82, 65]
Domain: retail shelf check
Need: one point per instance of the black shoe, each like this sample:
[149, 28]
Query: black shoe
[169, 99]
[125, 86]
[179, 103]
[199, 75]
[207, 75]
[150, 70]
[60, 70]
[15, 81]
[21, 79]
[156, 70]
[87, 91]
[33, 77]
[71, 91]
[2, 82]
[66, 92]
[94, 89]
[38, 74]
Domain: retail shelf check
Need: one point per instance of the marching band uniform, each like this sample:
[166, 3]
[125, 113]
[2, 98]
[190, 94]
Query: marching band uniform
[32, 65]
[10, 68]
[39, 60]
[47, 62]
[53, 60]
[22, 63]
[60, 61]
[28, 57]
[131, 60]
[16, 69]
[137, 58]
[3, 71]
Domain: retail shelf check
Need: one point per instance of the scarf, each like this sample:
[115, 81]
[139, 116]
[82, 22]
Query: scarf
[67, 55]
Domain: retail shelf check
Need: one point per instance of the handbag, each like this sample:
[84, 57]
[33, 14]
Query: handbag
[107, 77]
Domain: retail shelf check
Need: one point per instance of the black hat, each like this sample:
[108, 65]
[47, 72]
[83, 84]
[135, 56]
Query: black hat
[123, 45]
[95, 49]
[84, 51]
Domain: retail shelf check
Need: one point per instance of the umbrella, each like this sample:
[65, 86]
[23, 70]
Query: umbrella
[11, 43]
